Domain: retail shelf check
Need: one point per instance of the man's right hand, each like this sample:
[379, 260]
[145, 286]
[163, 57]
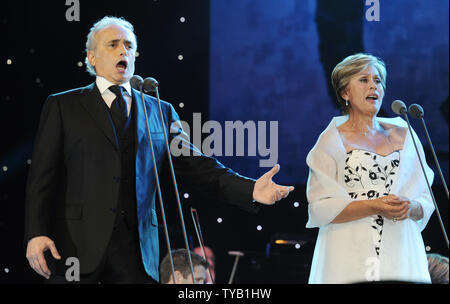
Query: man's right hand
[35, 254]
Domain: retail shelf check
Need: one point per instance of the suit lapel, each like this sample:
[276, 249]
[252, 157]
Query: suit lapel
[93, 102]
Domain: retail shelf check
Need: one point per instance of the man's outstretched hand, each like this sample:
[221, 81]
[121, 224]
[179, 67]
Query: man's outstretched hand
[267, 192]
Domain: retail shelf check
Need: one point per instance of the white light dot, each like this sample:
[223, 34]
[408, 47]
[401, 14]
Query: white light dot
[297, 246]
[259, 227]
[6, 270]
[5, 168]
[38, 80]
[29, 161]
[180, 57]
[182, 19]
[79, 64]
[9, 62]
[219, 220]
[296, 204]
[137, 54]
[428, 248]
[186, 195]
[181, 105]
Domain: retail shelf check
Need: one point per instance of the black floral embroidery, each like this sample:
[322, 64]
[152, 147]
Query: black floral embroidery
[395, 163]
[353, 195]
[352, 173]
[371, 194]
[379, 220]
[377, 174]
[370, 176]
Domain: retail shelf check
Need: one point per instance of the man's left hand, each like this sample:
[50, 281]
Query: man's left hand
[267, 192]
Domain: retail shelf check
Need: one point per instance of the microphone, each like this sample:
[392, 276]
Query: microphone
[150, 84]
[416, 111]
[136, 82]
[399, 108]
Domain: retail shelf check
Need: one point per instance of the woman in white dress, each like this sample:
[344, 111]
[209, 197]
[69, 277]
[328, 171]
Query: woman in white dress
[366, 190]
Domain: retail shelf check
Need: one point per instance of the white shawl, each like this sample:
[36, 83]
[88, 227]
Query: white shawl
[345, 252]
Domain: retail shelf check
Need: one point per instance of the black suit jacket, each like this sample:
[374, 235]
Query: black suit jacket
[73, 179]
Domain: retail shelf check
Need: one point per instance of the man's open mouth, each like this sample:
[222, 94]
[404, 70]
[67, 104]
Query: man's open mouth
[122, 65]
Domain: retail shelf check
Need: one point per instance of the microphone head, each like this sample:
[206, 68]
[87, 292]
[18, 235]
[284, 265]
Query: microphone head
[415, 110]
[150, 84]
[136, 82]
[398, 107]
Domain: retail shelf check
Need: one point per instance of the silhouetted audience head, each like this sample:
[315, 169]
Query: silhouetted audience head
[182, 269]
[211, 261]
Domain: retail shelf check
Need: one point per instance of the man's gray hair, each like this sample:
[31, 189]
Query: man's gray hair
[98, 26]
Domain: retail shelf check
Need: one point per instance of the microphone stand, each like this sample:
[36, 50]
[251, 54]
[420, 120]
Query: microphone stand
[169, 156]
[237, 255]
[158, 187]
[200, 239]
[420, 115]
[426, 178]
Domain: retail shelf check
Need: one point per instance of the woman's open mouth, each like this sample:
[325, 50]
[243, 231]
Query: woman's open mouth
[372, 98]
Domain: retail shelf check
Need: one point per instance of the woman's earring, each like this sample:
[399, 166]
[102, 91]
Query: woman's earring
[346, 102]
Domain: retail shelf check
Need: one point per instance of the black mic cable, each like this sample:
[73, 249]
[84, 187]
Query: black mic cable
[399, 108]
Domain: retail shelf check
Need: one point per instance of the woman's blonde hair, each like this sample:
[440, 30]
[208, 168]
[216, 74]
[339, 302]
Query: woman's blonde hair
[350, 66]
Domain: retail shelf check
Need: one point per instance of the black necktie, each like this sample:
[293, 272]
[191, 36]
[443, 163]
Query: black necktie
[119, 105]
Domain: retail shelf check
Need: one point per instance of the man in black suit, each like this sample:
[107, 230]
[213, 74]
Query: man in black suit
[91, 185]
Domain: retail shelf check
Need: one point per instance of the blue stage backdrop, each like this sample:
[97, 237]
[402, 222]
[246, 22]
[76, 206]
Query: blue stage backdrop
[271, 61]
